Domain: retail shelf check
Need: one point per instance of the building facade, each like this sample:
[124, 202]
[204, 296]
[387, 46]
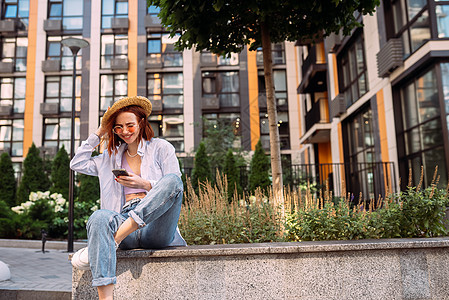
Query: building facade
[376, 102]
[129, 53]
[358, 111]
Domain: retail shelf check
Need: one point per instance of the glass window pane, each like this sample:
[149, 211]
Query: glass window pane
[19, 106]
[55, 9]
[154, 86]
[8, 50]
[427, 96]
[66, 86]
[64, 127]
[121, 46]
[442, 12]
[106, 22]
[54, 49]
[66, 104]
[414, 7]
[24, 8]
[173, 101]
[11, 11]
[435, 158]
[280, 83]
[431, 134]
[5, 133]
[72, 23]
[154, 46]
[173, 125]
[209, 85]
[108, 7]
[17, 149]
[229, 100]
[445, 79]
[19, 88]
[52, 89]
[106, 85]
[173, 60]
[121, 8]
[17, 130]
[229, 82]
[51, 132]
[107, 44]
[121, 87]
[21, 48]
[172, 83]
[73, 8]
[152, 9]
[6, 90]
[420, 31]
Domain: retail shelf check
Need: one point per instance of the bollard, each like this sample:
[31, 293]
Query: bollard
[44, 239]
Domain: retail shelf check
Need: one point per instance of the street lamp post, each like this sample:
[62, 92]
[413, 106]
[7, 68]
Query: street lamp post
[74, 44]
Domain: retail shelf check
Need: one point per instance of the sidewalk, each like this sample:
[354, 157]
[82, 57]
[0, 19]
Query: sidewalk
[34, 272]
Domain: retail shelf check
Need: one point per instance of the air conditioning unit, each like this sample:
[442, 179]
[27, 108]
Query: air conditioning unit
[390, 57]
[338, 106]
[8, 25]
[119, 23]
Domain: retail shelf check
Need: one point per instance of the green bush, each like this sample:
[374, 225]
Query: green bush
[201, 170]
[60, 173]
[7, 180]
[259, 176]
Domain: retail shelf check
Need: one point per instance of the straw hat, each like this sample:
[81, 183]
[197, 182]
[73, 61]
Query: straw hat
[127, 101]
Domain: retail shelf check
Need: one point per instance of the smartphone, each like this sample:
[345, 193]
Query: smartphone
[120, 172]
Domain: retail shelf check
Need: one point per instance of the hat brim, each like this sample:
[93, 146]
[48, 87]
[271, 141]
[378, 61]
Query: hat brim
[124, 102]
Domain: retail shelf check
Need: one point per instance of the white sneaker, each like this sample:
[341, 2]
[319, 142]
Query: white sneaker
[80, 259]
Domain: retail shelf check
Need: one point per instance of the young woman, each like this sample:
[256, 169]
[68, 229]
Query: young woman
[140, 210]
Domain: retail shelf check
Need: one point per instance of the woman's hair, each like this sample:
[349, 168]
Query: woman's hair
[145, 130]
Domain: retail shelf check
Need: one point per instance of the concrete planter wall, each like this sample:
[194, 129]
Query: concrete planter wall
[367, 269]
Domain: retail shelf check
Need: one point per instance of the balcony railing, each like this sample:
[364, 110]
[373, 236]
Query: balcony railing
[353, 180]
[319, 113]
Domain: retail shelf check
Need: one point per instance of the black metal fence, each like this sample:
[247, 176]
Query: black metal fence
[368, 180]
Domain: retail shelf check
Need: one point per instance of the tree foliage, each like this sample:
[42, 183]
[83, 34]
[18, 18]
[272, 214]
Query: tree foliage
[34, 177]
[60, 171]
[226, 26]
[260, 166]
[219, 139]
[89, 187]
[201, 169]
[7, 180]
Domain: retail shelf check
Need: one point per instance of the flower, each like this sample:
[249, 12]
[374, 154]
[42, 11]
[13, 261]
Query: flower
[18, 209]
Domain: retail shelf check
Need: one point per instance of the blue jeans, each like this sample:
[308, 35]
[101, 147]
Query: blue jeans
[157, 216]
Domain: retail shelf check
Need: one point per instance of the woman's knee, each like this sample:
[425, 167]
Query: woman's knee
[173, 181]
[99, 218]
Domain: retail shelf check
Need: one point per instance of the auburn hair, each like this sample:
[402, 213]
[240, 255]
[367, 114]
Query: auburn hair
[145, 130]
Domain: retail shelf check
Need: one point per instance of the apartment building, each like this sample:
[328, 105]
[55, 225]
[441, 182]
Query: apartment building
[129, 53]
[376, 103]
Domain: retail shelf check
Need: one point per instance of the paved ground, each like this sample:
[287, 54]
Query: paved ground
[32, 270]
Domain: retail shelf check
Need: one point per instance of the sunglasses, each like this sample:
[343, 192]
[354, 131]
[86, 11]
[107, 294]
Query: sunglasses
[119, 129]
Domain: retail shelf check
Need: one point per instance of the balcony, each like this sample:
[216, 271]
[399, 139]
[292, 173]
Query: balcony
[5, 110]
[152, 23]
[119, 24]
[53, 65]
[9, 25]
[314, 71]
[6, 67]
[49, 109]
[317, 123]
[119, 64]
[390, 57]
[52, 25]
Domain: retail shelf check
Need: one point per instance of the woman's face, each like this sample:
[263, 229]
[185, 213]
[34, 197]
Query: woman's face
[127, 127]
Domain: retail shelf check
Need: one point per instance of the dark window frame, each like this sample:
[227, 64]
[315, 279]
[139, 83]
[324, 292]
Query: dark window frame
[59, 97]
[56, 121]
[218, 85]
[9, 142]
[115, 14]
[164, 55]
[62, 17]
[15, 58]
[103, 57]
[115, 95]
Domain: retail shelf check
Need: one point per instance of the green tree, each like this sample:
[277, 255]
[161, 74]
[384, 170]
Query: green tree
[7, 180]
[60, 171]
[201, 167]
[89, 188]
[34, 177]
[233, 174]
[227, 26]
[219, 139]
[259, 175]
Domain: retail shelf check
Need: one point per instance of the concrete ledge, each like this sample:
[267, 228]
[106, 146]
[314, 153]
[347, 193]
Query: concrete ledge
[364, 269]
[37, 244]
[33, 295]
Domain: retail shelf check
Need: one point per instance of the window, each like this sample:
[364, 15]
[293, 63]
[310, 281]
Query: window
[283, 127]
[55, 51]
[58, 89]
[161, 50]
[280, 87]
[410, 22]
[113, 46]
[419, 135]
[15, 50]
[208, 58]
[224, 86]
[11, 136]
[113, 87]
[227, 119]
[153, 10]
[16, 9]
[277, 54]
[352, 75]
[166, 87]
[442, 14]
[12, 93]
[57, 132]
[170, 128]
[113, 9]
[69, 11]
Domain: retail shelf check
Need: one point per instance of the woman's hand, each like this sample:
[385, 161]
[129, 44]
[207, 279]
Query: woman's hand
[134, 181]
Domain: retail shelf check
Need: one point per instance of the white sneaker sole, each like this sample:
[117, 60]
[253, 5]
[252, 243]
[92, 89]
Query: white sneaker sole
[80, 259]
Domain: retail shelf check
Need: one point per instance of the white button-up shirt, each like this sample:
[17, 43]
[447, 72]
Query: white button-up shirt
[158, 159]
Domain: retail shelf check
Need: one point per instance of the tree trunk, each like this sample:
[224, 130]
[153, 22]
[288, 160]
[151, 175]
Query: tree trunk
[275, 144]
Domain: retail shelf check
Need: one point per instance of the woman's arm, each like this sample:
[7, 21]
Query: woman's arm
[167, 160]
[83, 162]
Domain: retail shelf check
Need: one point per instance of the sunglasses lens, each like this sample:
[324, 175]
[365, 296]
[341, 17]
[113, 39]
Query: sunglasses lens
[132, 128]
[118, 130]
